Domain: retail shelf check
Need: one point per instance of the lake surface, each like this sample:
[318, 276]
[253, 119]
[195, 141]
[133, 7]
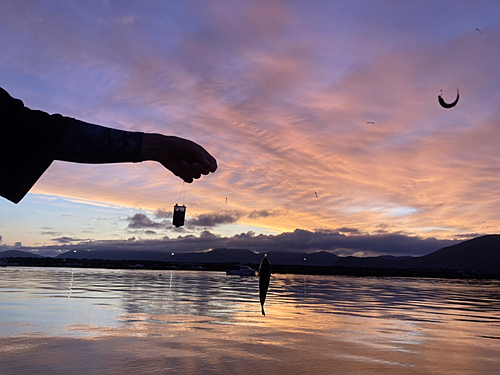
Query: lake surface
[96, 321]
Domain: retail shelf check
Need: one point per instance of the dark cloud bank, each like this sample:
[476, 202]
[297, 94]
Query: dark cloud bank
[296, 241]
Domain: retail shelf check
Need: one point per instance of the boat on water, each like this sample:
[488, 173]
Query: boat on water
[242, 271]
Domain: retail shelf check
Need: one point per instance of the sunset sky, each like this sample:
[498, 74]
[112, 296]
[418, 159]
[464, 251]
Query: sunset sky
[322, 115]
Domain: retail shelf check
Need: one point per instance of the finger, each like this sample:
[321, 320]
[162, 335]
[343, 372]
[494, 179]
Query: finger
[212, 162]
[204, 158]
[196, 170]
[213, 166]
[187, 179]
[188, 173]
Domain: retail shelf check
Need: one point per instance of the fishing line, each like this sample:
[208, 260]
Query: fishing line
[182, 193]
[316, 183]
[179, 211]
[266, 242]
[241, 198]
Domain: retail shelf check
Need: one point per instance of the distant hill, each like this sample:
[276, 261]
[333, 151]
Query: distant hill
[319, 258]
[18, 254]
[371, 262]
[480, 254]
[214, 256]
[225, 255]
[117, 255]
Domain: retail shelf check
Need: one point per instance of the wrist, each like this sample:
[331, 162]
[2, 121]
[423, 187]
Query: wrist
[151, 146]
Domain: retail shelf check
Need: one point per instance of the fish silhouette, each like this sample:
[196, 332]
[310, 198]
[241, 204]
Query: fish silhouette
[264, 277]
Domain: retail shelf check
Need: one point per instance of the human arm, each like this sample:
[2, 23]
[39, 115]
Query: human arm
[95, 144]
[31, 140]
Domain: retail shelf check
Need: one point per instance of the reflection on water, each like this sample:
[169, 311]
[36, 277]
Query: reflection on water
[59, 320]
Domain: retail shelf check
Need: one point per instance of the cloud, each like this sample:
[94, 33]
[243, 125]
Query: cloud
[255, 214]
[297, 241]
[141, 221]
[0, 239]
[163, 214]
[348, 230]
[468, 236]
[67, 239]
[50, 232]
[207, 234]
[18, 244]
[214, 219]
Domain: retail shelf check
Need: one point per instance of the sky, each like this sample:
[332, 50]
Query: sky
[322, 115]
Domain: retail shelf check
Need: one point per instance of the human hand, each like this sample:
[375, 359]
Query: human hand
[182, 157]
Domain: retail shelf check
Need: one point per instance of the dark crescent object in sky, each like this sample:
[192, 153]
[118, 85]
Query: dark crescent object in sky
[446, 105]
[264, 277]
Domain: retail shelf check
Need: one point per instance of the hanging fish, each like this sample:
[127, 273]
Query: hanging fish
[264, 277]
[179, 215]
[448, 105]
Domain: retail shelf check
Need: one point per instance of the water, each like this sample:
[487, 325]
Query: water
[90, 321]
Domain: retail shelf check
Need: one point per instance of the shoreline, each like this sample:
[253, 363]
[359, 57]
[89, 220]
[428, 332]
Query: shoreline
[276, 268]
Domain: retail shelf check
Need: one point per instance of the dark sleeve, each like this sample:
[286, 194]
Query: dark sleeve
[88, 143]
[27, 142]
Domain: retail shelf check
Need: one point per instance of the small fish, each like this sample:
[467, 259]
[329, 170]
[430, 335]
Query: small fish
[264, 277]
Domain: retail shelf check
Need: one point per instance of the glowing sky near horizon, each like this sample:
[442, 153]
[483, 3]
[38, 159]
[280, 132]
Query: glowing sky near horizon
[322, 115]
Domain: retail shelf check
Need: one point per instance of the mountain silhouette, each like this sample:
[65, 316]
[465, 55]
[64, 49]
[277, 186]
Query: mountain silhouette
[219, 255]
[18, 254]
[480, 254]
